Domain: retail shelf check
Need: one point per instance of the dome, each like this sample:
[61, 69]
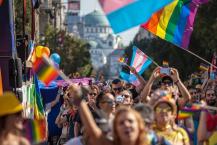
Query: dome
[96, 18]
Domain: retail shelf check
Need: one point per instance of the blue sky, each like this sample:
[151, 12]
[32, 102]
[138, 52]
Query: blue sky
[88, 6]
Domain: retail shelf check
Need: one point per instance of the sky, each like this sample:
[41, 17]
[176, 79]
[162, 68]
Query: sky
[88, 6]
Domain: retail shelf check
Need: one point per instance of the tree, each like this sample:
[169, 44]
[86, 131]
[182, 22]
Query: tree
[18, 6]
[74, 52]
[203, 43]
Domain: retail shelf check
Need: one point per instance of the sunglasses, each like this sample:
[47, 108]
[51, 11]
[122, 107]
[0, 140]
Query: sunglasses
[110, 102]
[118, 89]
[167, 83]
[92, 94]
[163, 110]
[193, 93]
[126, 96]
[210, 94]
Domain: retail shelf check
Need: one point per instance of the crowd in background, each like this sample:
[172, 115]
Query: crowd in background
[119, 113]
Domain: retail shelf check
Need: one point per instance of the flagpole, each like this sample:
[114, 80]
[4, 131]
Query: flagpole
[154, 62]
[198, 57]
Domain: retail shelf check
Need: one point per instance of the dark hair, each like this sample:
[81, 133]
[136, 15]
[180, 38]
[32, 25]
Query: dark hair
[116, 81]
[92, 87]
[167, 78]
[145, 111]
[2, 123]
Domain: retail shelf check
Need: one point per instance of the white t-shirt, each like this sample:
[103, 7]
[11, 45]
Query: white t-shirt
[74, 141]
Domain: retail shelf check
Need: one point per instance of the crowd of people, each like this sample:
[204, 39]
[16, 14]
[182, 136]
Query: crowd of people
[120, 113]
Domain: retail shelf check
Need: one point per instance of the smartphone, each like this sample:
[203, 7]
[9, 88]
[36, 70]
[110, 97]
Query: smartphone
[165, 70]
[119, 99]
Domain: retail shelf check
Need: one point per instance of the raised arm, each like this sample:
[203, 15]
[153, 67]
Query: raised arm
[147, 89]
[183, 90]
[202, 132]
[140, 78]
[93, 131]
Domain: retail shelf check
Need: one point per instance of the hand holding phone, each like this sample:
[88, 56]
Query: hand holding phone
[165, 70]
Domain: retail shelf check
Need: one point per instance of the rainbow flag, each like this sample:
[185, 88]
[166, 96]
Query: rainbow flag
[122, 60]
[39, 112]
[204, 67]
[124, 14]
[187, 112]
[36, 131]
[174, 22]
[45, 70]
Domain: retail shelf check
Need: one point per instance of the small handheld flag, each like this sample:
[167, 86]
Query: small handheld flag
[45, 70]
[204, 67]
[122, 60]
[140, 61]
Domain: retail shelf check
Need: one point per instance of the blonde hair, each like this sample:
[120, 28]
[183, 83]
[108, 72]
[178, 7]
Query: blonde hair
[141, 140]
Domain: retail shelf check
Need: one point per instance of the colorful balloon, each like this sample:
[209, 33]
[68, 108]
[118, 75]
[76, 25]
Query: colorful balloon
[56, 58]
[46, 51]
[38, 51]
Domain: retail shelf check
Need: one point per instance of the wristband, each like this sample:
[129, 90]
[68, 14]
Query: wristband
[176, 82]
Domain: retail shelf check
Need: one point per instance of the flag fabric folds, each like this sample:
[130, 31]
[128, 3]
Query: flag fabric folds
[45, 70]
[187, 112]
[174, 22]
[36, 130]
[124, 14]
[140, 61]
[39, 112]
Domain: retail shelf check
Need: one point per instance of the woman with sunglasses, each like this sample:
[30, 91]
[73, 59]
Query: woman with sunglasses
[128, 127]
[106, 103]
[127, 98]
[11, 121]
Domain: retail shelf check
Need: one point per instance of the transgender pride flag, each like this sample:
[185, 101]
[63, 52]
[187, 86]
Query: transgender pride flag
[140, 61]
[124, 14]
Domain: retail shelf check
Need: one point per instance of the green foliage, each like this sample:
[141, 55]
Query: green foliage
[203, 43]
[18, 6]
[74, 52]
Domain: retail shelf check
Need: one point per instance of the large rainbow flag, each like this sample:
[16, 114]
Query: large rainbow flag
[174, 22]
[124, 14]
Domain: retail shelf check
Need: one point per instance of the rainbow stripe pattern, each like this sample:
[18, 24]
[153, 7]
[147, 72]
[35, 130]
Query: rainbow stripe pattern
[187, 112]
[124, 14]
[174, 22]
[36, 131]
[45, 71]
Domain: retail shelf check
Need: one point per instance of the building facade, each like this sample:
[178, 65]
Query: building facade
[95, 28]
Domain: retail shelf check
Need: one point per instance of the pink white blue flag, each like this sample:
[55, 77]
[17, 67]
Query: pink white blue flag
[140, 61]
[124, 14]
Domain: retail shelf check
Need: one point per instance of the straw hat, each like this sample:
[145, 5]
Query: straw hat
[169, 101]
[9, 104]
